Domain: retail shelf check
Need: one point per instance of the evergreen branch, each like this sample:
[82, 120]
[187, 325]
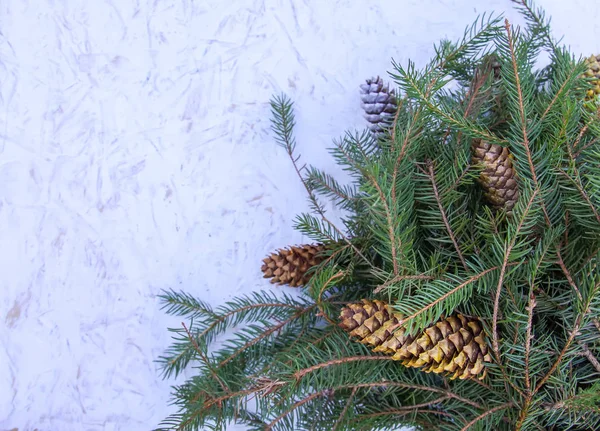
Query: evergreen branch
[505, 262]
[204, 359]
[446, 393]
[283, 124]
[388, 214]
[537, 20]
[590, 356]
[522, 114]
[442, 298]
[564, 88]
[301, 373]
[400, 278]
[346, 407]
[431, 175]
[406, 411]
[572, 336]
[294, 407]
[584, 195]
[487, 413]
[264, 335]
[565, 271]
[528, 339]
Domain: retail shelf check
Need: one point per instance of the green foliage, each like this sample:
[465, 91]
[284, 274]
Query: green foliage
[417, 233]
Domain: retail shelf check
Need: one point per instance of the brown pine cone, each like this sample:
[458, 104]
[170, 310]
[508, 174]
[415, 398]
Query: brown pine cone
[290, 265]
[455, 345]
[498, 176]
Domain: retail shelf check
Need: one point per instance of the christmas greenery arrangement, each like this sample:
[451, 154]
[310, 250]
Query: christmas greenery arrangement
[461, 291]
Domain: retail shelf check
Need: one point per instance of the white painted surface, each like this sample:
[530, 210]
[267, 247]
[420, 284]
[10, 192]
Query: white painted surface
[135, 155]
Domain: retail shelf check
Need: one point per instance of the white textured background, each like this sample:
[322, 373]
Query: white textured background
[135, 155]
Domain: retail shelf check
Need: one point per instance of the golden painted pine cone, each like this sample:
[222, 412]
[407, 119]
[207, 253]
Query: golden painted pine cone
[498, 176]
[593, 72]
[454, 346]
[379, 103]
[290, 265]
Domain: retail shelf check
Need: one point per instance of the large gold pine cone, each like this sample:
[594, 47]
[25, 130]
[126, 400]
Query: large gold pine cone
[593, 73]
[453, 346]
[497, 177]
[290, 265]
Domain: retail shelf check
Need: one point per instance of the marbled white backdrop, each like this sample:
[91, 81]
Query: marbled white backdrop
[135, 155]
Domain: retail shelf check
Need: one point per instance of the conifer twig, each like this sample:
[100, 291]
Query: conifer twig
[564, 269]
[301, 373]
[386, 207]
[345, 410]
[431, 175]
[400, 278]
[293, 407]
[523, 116]
[505, 264]
[204, 359]
[487, 413]
[528, 338]
[590, 356]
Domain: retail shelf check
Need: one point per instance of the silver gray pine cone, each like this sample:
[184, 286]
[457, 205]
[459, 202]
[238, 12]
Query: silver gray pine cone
[379, 104]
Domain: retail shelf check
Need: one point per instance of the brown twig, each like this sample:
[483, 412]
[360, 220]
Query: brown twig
[343, 413]
[431, 174]
[590, 356]
[406, 411]
[301, 373]
[523, 116]
[487, 413]
[562, 265]
[495, 345]
[583, 195]
[400, 278]
[444, 296]
[318, 208]
[528, 339]
[204, 359]
[585, 147]
[264, 335]
[382, 197]
[292, 408]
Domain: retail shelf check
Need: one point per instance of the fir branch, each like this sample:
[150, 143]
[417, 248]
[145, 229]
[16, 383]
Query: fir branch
[583, 194]
[340, 418]
[536, 19]
[487, 413]
[265, 334]
[383, 200]
[301, 373]
[295, 406]
[528, 338]
[283, 124]
[503, 268]
[565, 271]
[431, 175]
[590, 356]
[407, 321]
[398, 278]
[204, 358]
[523, 117]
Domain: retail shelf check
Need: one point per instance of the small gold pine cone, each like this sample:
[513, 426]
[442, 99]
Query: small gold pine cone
[455, 346]
[290, 265]
[498, 176]
[593, 72]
